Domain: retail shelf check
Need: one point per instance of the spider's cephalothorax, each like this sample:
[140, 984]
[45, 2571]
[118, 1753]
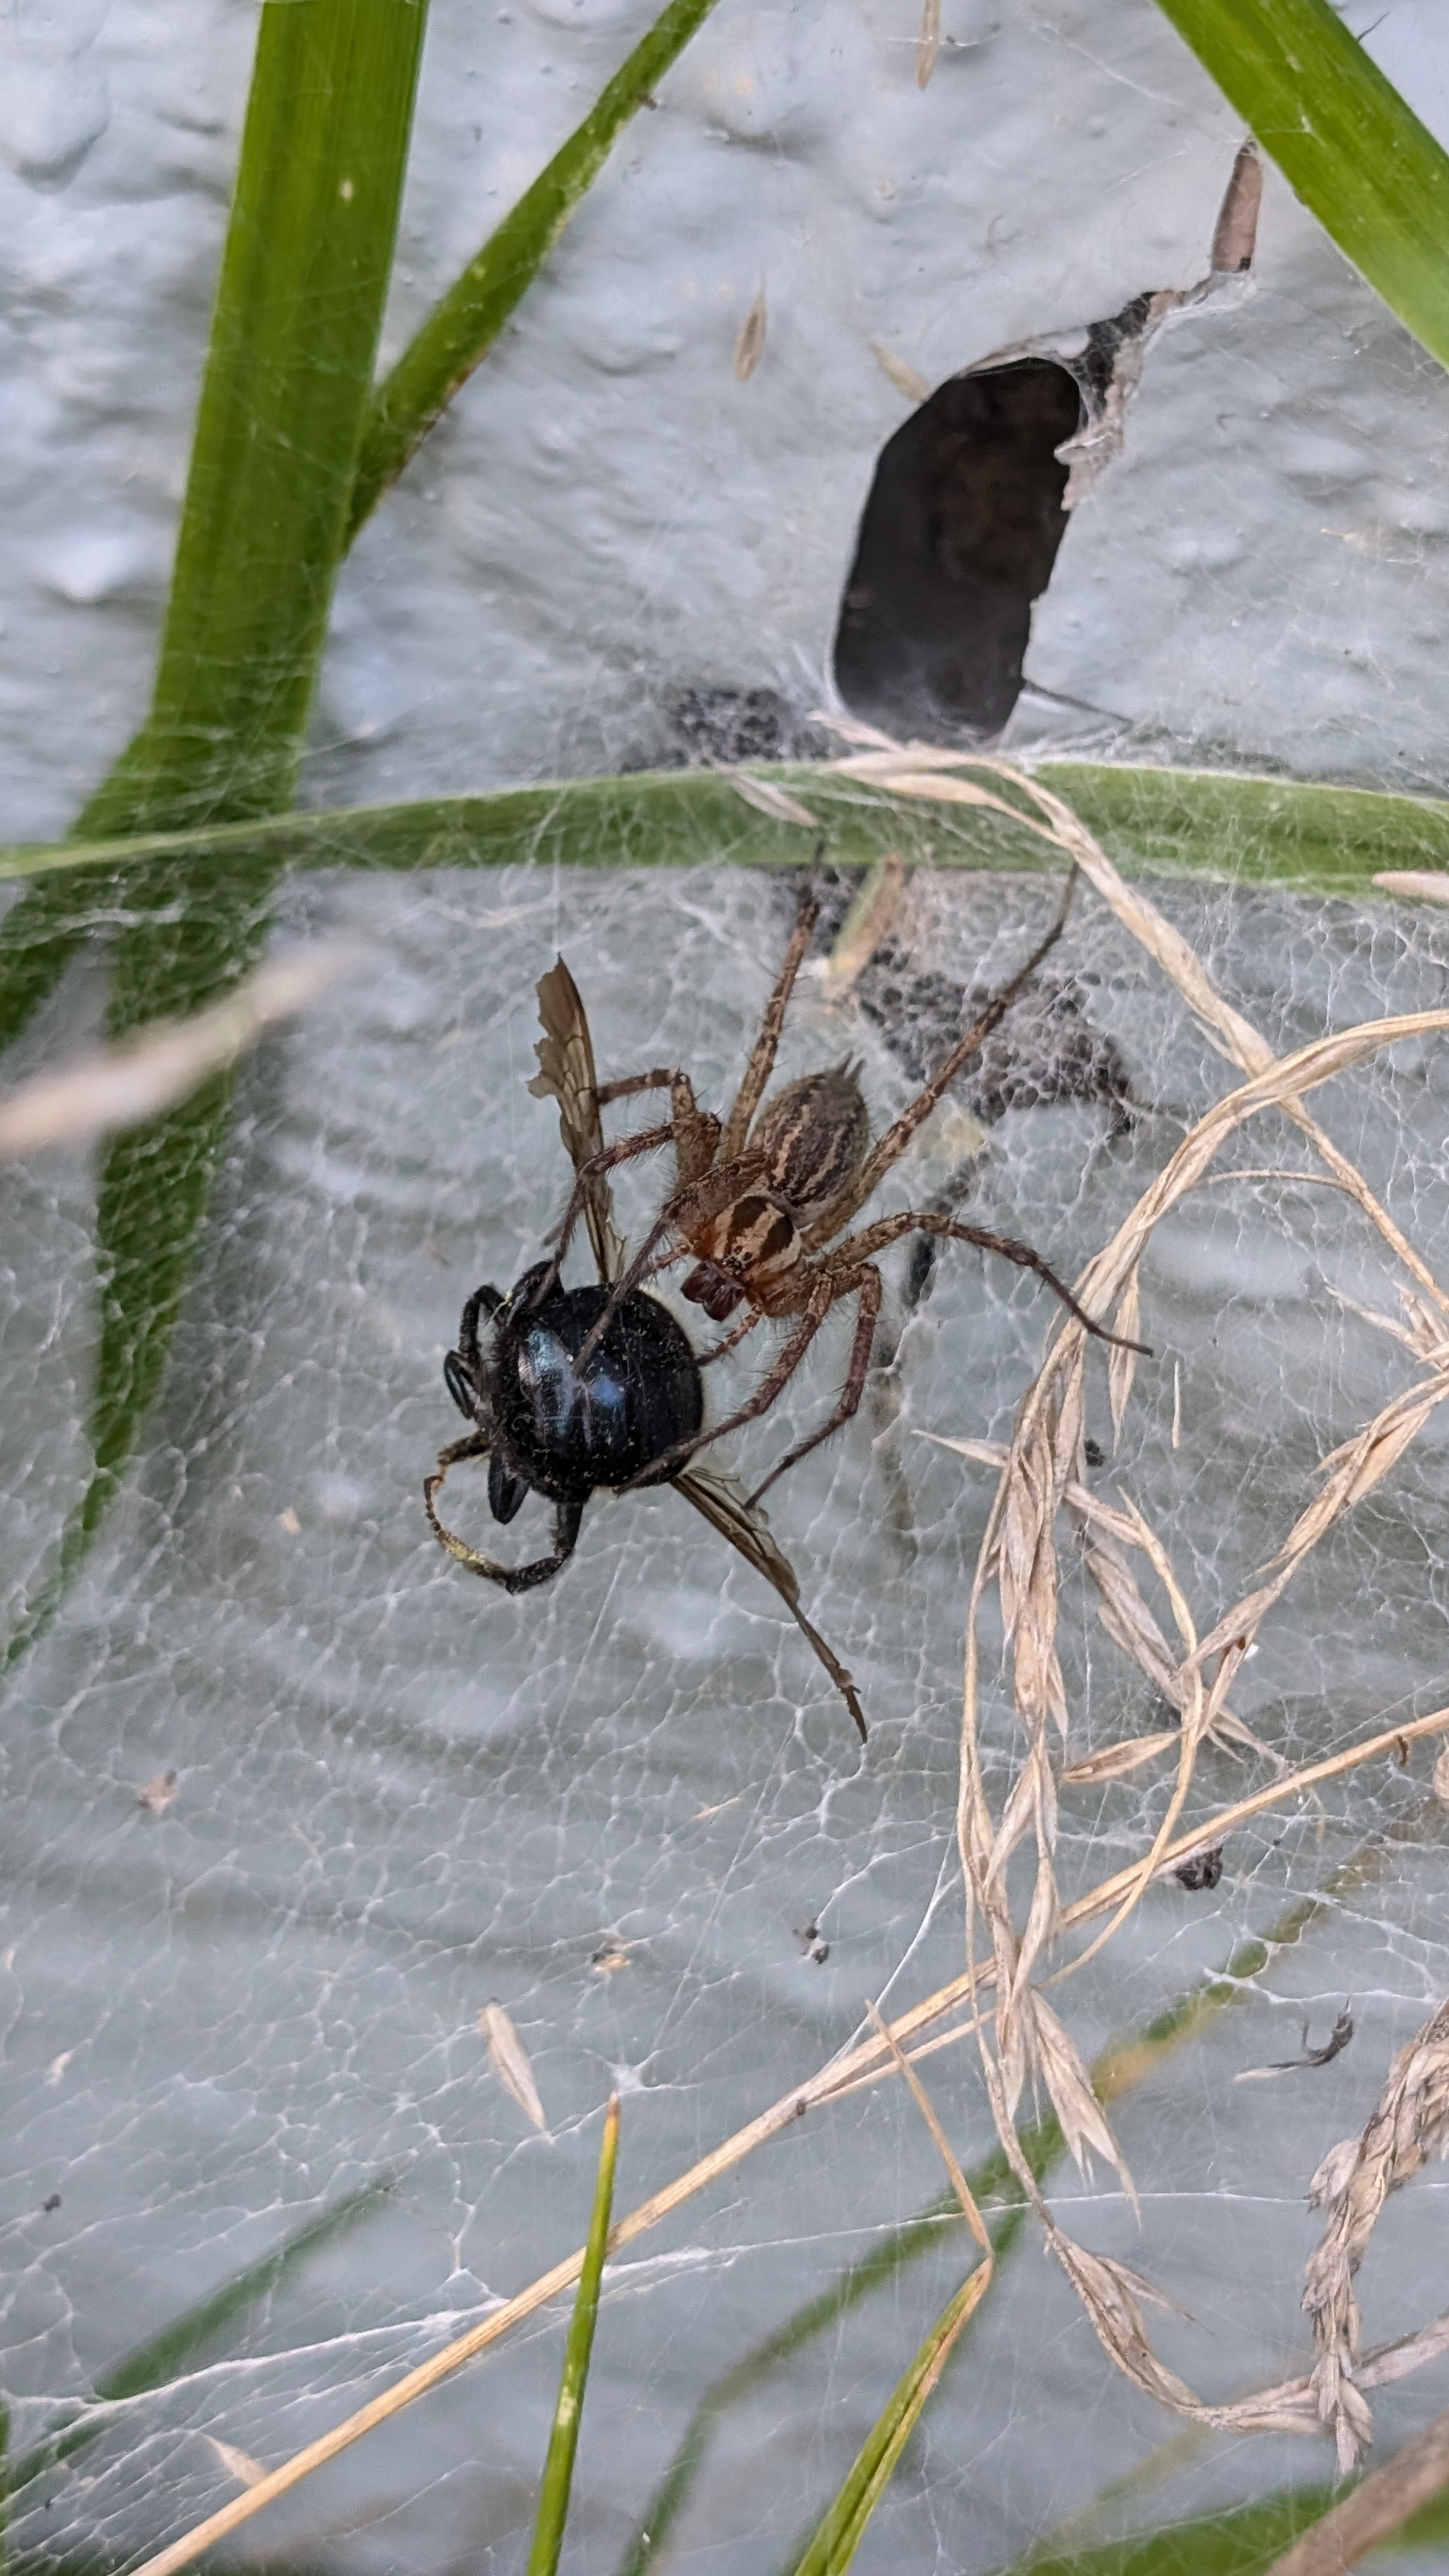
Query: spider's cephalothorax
[760, 1196]
[809, 1140]
[553, 1419]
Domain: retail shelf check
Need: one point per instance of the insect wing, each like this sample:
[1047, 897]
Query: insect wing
[724, 1504]
[566, 1074]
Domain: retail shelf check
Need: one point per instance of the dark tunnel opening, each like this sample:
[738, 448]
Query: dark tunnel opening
[957, 539]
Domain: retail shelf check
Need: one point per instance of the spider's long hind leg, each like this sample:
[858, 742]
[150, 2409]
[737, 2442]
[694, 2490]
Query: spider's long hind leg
[872, 1239]
[888, 1148]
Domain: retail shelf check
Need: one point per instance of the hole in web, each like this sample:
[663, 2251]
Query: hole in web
[958, 538]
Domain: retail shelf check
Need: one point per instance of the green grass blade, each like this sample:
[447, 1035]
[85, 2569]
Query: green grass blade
[1343, 138]
[38, 937]
[467, 320]
[841, 2532]
[155, 1182]
[299, 303]
[294, 334]
[166, 2354]
[1264, 831]
[558, 2467]
[1242, 2541]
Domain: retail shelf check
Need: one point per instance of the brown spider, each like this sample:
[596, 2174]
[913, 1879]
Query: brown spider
[759, 1196]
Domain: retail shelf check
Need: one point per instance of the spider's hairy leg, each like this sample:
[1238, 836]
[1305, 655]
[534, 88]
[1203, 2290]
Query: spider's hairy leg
[648, 1141]
[696, 1130]
[513, 1578]
[893, 1143]
[817, 1297]
[862, 1248]
[693, 1205]
[736, 1334]
[762, 1054]
[865, 1280]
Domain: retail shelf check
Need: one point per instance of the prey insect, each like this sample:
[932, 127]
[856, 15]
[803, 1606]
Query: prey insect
[570, 1390]
[761, 1195]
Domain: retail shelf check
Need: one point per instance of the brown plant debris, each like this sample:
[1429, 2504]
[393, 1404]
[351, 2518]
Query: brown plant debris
[1408, 2126]
[510, 2063]
[1334, 2046]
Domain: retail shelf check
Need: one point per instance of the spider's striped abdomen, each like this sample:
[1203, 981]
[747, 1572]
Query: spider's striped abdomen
[813, 1136]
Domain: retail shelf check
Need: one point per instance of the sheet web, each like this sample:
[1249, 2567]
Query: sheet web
[617, 1805]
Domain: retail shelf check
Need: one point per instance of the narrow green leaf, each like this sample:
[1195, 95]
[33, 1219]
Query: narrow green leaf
[166, 2354]
[465, 322]
[294, 334]
[841, 2532]
[558, 2467]
[1344, 140]
[1271, 831]
[1243, 2541]
[299, 303]
[155, 1183]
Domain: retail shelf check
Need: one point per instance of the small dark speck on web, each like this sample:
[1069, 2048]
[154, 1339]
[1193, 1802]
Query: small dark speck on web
[1094, 1453]
[1201, 1869]
[48, 2205]
[811, 1943]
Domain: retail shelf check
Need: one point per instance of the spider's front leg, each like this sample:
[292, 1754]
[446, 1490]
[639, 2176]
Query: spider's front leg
[762, 1054]
[692, 1206]
[863, 1280]
[817, 1295]
[696, 1131]
[648, 1141]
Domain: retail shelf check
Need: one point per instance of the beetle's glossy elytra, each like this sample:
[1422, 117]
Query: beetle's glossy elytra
[566, 1431]
[550, 1426]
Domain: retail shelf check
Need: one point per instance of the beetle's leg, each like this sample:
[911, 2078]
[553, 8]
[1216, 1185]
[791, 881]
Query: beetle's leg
[513, 1578]
[477, 1445]
[461, 1385]
[867, 1280]
[463, 1367]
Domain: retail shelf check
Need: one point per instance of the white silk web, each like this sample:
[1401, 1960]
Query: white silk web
[618, 1806]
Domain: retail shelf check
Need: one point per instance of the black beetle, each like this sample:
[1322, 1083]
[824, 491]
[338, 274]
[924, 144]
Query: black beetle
[545, 1426]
